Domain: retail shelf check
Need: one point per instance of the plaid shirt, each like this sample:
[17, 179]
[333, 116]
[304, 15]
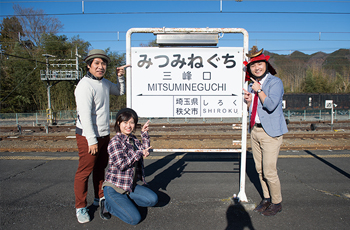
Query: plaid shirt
[122, 158]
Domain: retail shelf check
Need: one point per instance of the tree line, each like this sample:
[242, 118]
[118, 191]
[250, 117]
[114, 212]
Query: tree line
[26, 37]
[23, 41]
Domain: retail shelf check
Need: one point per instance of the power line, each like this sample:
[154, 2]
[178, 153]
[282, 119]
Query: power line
[6, 54]
[189, 12]
[253, 39]
[46, 1]
[250, 32]
[279, 50]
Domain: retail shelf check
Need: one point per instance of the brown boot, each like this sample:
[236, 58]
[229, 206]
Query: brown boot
[264, 204]
[272, 210]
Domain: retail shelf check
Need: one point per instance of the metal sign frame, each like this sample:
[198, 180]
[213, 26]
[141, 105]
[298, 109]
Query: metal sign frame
[241, 195]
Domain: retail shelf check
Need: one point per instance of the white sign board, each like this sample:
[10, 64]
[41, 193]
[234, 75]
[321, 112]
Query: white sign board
[328, 104]
[186, 82]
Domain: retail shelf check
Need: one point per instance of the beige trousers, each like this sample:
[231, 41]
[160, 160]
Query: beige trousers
[265, 152]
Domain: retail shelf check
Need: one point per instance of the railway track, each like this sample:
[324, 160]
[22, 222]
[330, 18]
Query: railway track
[302, 125]
[189, 137]
[196, 136]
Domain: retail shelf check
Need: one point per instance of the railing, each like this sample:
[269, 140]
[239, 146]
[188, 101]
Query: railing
[54, 75]
[316, 115]
[68, 117]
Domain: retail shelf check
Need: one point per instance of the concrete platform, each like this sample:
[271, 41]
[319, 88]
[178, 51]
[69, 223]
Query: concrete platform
[194, 189]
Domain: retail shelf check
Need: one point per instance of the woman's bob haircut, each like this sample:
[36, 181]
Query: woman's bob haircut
[125, 115]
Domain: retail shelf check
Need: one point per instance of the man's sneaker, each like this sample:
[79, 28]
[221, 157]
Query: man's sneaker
[96, 202]
[82, 215]
[104, 214]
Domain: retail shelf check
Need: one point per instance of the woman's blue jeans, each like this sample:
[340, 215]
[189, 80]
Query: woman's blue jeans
[121, 206]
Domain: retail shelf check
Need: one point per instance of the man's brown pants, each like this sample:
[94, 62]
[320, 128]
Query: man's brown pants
[88, 164]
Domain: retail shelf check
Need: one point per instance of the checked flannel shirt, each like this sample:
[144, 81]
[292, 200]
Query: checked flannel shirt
[122, 158]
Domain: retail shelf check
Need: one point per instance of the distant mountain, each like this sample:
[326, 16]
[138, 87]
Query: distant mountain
[317, 59]
[338, 61]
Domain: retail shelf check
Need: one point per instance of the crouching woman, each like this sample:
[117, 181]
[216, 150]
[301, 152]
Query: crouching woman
[125, 168]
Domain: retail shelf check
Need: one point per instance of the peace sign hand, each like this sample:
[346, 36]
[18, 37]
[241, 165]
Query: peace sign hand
[146, 151]
[145, 127]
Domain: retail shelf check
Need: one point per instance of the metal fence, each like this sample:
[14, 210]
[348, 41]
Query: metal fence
[316, 115]
[68, 117]
[315, 100]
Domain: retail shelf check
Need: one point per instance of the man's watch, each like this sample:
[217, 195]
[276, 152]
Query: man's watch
[259, 90]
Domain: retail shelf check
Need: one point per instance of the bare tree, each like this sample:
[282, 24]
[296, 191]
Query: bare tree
[36, 22]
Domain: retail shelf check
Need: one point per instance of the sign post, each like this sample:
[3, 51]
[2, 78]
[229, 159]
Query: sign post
[189, 81]
[329, 105]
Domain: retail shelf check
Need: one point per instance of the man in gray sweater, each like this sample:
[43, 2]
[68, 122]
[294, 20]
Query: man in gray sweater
[92, 129]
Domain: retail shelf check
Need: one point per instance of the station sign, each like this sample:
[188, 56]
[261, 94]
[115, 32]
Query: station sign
[186, 82]
[328, 104]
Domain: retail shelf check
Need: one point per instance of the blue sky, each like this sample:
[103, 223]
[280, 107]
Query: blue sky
[277, 25]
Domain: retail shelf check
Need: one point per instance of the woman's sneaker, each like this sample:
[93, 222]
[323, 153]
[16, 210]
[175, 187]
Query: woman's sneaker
[82, 215]
[104, 214]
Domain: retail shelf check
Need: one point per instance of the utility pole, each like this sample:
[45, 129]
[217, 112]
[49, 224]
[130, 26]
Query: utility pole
[52, 77]
[77, 56]
[48, 86]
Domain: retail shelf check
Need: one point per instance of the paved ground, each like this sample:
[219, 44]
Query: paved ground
[194, 192]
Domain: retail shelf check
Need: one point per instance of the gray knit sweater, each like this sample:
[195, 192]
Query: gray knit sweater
[92, 100]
